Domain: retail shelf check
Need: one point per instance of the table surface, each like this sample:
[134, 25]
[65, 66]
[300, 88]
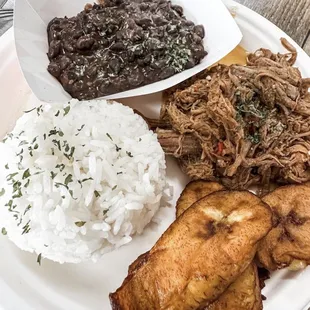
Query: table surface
[292, 16]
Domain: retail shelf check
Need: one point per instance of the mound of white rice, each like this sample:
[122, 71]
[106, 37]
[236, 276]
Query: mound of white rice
[81, 180]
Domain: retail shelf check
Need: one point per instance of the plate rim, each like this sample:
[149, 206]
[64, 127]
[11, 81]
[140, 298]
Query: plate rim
[7, 39]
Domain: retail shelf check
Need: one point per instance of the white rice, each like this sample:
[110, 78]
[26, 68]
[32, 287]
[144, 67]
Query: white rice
[89, 175]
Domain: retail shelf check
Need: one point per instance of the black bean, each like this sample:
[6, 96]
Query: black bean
[147, 59]
[188, 23]
[144, 6]
[112, 29]
[78, 86]
[54, 69]
[159, 64]
[159, 21]
[118, 46]
[199, 52]
[85, 42]
[54, 21]
[64, 62]
[155, 44]
[140, 62]
[144, 22]
[72, 76]
[139, 51]
[131, 56]
[92, 71]
[166, 73]
[196, 38]
[80, 61]
[135, 78]
[115, 65]
[190, 63]
[137, 35]
[104, 85]
[200, 30]
[54, 49]
[68, 47]
[131, 23]
[77, 34]
[104, 42]
[178, 9]
[172, 29]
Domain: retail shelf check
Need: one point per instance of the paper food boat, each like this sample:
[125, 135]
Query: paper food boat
[32, 17]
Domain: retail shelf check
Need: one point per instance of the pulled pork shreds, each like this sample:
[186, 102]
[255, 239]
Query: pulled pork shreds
[248, 124]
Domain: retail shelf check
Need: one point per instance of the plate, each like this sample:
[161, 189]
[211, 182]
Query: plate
[26, 285]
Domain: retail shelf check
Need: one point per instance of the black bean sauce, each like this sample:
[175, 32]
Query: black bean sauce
[121, 45]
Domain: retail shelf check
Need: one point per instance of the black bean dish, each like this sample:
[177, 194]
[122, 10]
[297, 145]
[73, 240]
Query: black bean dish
[121, 45]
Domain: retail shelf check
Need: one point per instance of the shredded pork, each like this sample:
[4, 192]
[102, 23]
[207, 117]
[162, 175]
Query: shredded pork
[242, 125]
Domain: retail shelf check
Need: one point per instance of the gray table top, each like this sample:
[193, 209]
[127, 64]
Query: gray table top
[6, 23]
[292, 16]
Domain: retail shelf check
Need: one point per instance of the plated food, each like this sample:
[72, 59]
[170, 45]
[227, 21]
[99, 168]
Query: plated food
[81, 180]
[120, 44]
[241, 125]
[245, 292]
[193, 192]
[85, 177]
[287, 244]
[199, 256]
[183, 272]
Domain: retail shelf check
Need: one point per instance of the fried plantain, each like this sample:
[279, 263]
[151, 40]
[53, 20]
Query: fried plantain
[203, 252]
[288, 243]
[193, 192]
[245, 292]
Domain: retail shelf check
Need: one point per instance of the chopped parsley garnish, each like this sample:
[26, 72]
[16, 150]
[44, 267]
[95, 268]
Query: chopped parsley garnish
[96, 194]
[26, 174]
[27, 209]
[2, 192]
[129, 154]
[68, 179]
[29, 110]
[3, 231]
[26, 228]
[27, 183]
[109, 137]
[39, 259]
[66, 110]
[61, 167]
[53, 175]
[80, 224]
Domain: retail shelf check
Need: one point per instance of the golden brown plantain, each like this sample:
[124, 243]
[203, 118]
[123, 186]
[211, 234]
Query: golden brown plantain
[245, 292]
[288, 243]
[199, 256]
[193, 192]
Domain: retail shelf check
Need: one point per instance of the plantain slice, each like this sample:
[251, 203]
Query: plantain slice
[288, 243]
[199, 256]
[243, 294]
[193, 192]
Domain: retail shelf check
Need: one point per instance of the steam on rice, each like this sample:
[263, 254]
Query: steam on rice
[81, 179]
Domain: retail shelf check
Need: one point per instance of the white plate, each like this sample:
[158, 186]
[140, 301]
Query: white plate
[24, 285]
